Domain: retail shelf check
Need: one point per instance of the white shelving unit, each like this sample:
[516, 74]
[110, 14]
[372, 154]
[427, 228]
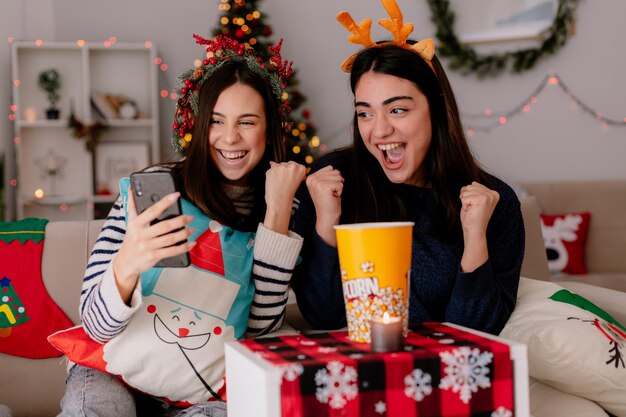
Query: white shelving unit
[57, 177]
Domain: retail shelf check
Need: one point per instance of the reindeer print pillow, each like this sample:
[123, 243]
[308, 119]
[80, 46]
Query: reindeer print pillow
[565, 236]
[573, 345]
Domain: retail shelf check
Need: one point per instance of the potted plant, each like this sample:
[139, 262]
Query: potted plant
[50, 82]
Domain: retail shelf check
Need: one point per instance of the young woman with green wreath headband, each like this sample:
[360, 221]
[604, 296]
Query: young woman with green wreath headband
[162, 330]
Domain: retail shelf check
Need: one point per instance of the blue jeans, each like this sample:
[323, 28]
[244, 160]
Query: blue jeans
[91, 393]
[5, 411]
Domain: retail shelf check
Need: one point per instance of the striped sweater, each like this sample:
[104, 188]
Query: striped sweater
[104, 314]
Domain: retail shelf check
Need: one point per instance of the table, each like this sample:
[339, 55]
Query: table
[444, 370]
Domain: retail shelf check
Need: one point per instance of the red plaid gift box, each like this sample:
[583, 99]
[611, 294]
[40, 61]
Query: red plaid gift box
[444, 370]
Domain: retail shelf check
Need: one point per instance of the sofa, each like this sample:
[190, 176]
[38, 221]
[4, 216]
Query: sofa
[37, 385]
[605, 283]
[34, 387]
[608, 224]
[606, 240]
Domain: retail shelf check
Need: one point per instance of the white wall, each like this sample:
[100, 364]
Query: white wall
[551, 142]
[20, 20]
[554, 141]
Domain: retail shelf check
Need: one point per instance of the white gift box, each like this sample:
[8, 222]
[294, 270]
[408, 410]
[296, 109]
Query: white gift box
[254, 383]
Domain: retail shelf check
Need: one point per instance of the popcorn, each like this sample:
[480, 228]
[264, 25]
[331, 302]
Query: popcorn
[362, 310]
[375, 266]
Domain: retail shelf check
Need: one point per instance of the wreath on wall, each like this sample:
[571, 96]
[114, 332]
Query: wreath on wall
[466, 59]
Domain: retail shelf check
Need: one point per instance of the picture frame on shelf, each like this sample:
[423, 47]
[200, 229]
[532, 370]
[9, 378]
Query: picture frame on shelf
[488, 21]
[103, 105]
[115, 160]
[114, 106]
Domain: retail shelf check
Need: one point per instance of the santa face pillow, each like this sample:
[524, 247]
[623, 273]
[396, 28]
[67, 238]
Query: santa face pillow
[173, 346]
[565, 236]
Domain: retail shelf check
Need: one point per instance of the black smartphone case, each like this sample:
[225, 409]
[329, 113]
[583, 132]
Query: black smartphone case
[150, 187]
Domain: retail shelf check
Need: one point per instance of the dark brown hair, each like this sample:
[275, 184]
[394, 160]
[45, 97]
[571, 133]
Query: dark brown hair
[198, 176]
[447, 166]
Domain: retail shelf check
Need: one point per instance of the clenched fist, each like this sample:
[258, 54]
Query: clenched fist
[281, 183]
[325, 187]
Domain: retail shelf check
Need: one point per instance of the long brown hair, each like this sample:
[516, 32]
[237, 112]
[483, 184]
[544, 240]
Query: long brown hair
[197, 175]
[449, 163]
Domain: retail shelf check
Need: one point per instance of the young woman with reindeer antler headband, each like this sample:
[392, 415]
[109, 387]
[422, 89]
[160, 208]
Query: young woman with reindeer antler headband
[410, 161]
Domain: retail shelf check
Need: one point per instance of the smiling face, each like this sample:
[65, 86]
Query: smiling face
[394, 123]
[237, 133]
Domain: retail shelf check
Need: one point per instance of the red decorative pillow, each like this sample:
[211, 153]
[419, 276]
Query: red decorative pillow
[564, 236]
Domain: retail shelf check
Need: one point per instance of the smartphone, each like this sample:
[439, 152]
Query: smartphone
[150, 187]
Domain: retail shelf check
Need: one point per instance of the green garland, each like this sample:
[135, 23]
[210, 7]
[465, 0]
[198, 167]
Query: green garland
[465, 58]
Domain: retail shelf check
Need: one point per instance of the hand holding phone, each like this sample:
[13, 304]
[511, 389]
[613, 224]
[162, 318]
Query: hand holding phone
[149, 188]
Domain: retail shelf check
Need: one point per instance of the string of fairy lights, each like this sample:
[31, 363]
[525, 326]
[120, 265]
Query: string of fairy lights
[243, 22]
[496, 119]
[108, 43]
[478, 123]
[299, 131]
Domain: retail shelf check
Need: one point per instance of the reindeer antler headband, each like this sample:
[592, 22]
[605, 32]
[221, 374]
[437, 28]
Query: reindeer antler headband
[400, 31]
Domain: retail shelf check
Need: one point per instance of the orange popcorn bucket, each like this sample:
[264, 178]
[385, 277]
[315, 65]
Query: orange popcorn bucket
[375, 262]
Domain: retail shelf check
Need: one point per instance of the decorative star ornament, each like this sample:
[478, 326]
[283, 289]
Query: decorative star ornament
[51, 164]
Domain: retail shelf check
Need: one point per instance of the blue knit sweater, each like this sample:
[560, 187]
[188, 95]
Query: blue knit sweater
[439, 291]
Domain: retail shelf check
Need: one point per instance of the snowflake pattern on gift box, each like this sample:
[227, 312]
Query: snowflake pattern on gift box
[292, 371]
[502, 412]
[336, 384]
[417, 385]
[380, 407]
[467, 369]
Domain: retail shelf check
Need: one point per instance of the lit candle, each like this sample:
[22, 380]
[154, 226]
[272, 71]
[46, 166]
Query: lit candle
[30, 114]
[386, 334]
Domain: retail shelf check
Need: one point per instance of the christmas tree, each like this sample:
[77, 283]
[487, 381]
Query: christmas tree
[241, 20]
[12, 311]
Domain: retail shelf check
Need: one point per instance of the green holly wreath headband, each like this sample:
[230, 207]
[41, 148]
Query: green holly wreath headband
[219, 51]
